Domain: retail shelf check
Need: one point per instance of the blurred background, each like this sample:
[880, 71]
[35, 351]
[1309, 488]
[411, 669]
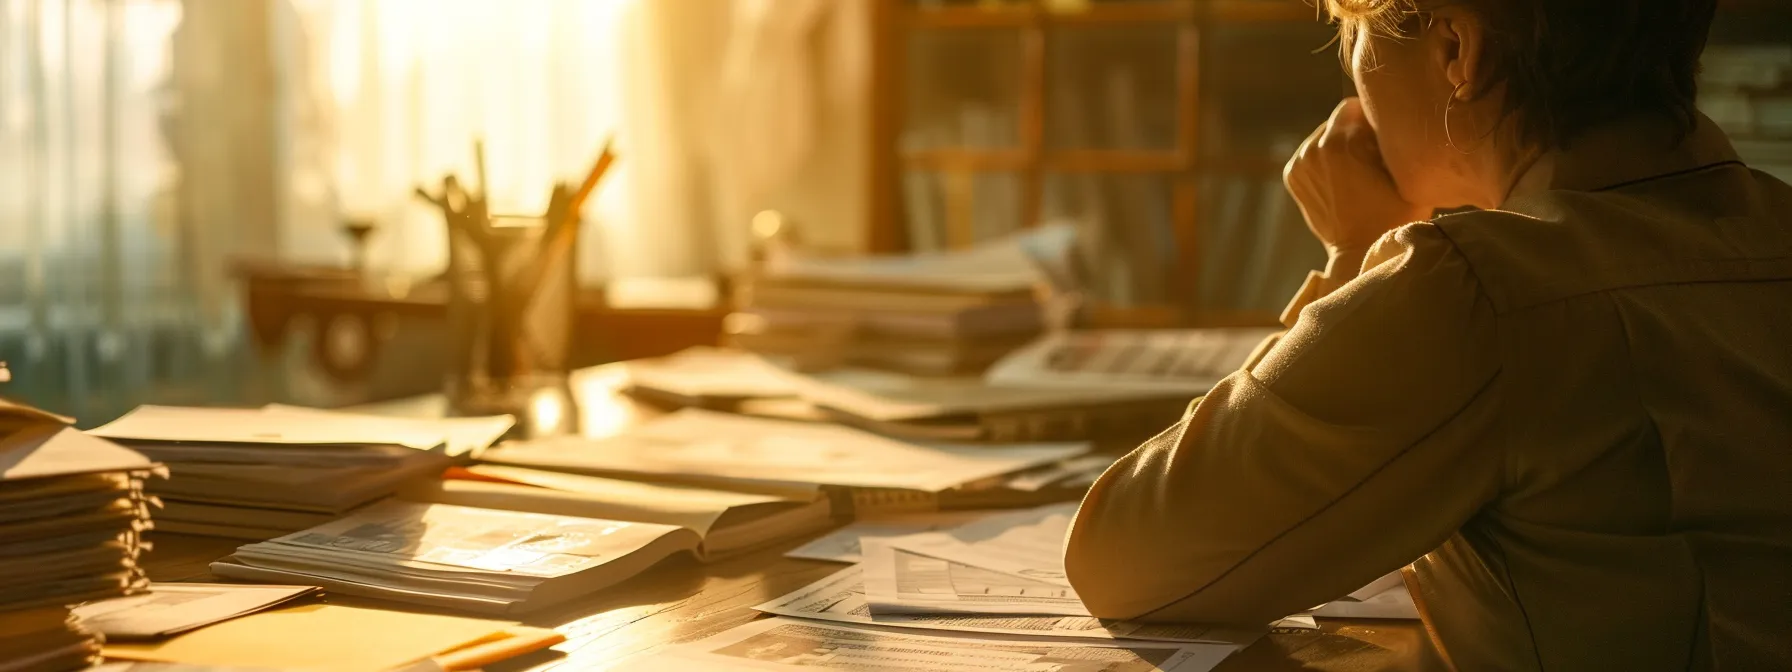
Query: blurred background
[210, 201]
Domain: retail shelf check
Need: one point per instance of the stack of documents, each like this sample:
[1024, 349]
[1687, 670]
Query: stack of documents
[261, 473]
[731, 452]
[932, 314]
[481, 560]
[72, 510]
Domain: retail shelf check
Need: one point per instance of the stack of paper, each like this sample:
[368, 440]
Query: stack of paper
[933, 314]
[732, 451]
[72, 509]
[261, 473]
[482, 560]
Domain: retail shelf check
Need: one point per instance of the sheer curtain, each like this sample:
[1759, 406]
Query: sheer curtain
[719, 108]
[145, 144]
[388, 94]
[111, 270]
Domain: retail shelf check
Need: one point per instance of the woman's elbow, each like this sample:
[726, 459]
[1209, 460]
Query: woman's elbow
[1104, 573]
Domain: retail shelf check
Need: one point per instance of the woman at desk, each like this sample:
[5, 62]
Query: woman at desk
[1570, 410]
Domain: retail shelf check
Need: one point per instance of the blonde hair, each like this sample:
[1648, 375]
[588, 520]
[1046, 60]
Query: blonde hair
[1566, 65]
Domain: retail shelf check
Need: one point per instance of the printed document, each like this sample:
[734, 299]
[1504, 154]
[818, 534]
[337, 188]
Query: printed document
[1027, 543]
[173, 608]
[842, 545]
[1188, 361]
[841, 598]
[899, 581]
[786, 644]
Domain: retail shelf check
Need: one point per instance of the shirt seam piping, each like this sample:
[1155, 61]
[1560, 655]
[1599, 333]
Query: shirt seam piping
[1630, 366]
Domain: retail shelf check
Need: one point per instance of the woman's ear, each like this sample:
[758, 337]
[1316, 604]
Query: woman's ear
[1458, 37]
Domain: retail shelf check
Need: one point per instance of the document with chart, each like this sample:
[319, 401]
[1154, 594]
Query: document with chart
[841, 598]
[787, 644]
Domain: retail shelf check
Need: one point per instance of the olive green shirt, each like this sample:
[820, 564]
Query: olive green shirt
[1572, 416]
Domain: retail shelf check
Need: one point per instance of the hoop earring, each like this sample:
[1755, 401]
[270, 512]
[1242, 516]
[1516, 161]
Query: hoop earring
[1450, 103]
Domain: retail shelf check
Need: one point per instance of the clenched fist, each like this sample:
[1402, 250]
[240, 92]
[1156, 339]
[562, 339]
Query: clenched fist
[1342, 186]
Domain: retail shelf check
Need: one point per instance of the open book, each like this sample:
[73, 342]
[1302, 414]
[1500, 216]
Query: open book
[725, 522]
[480, 560]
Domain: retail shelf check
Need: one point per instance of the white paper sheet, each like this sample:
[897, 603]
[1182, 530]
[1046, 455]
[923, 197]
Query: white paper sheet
[694, 443]
[1028, 543]
[260, 426]
[841, 598]
[706, 372]
[173, 608]
[463, 436]
[842, 545]
[898, 581]
[787, 644]
[1392, 601]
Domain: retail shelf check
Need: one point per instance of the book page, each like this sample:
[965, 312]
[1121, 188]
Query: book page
[412, 535]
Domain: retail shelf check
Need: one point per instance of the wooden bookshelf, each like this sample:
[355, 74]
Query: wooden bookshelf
[1033, 26]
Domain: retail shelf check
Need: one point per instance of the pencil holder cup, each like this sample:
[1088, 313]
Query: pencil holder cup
[511, 308]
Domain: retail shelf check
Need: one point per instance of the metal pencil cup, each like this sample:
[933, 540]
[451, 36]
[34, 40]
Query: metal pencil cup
[512, 293]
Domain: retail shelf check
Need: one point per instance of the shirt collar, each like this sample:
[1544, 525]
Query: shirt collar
[1622, 151]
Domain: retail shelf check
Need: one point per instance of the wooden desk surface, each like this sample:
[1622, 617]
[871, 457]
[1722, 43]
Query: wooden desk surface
[682, 600]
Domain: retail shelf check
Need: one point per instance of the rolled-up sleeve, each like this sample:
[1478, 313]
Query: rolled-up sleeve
[1359, 442]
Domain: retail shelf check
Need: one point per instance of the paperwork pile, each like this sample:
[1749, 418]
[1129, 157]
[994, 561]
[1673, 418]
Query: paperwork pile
[72, 510]
[261, 473]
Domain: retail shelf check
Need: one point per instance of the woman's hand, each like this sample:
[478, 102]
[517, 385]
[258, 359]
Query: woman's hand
[1344, 190]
